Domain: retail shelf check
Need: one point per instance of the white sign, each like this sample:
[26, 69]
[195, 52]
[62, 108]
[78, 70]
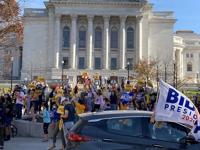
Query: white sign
[173, 106]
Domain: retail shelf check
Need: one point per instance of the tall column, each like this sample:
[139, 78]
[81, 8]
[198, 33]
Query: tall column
[73, 41]
[57, 42]
[106, 43]
[90, 42]
[50, 51]
[122, 42]
[138, 39]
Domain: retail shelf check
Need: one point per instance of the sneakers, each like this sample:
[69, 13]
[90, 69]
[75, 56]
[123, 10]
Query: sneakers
[52, 147]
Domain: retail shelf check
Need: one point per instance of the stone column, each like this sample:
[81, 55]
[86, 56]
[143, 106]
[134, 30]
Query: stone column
[106, 52]
[138, 39]
[90, 42]
[50, 51]
[73, 41]
[122, 42]
[57, 42]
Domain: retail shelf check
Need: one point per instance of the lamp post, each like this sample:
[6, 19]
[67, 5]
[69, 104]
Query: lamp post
[165, 72]
[11, 73]
[62, 72]
[175, 80]
[128, 68]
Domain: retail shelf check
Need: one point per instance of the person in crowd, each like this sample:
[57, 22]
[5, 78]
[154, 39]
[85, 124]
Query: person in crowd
[98, 101]
[56, 122]
[107, 104]
[28, 102]
[46, 121]
[67, 117]
[140, 99]
[80, 106]
[8, 116]
[51, 95]
[2, 121]
[76, 89]
[33, 104]
[113, 100]
[89, 100]
[19, 103]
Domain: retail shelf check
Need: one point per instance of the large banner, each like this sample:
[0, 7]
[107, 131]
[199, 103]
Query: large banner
[173, 106]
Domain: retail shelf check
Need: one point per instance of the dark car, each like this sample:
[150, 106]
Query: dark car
[127, 130]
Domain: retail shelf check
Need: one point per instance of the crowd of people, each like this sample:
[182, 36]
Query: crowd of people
[60, 105]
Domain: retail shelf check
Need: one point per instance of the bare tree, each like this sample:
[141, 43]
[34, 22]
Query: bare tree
[146, 69]
[11, 34]
[10, 21]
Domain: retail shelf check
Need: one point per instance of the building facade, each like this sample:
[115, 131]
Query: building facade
[10, 57]
[96, 36]
[187, 55]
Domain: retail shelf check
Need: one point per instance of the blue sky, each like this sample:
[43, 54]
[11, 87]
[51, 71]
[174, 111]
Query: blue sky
[187, 12]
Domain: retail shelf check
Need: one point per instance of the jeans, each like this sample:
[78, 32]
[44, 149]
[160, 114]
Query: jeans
[56, 131]
[19, 111]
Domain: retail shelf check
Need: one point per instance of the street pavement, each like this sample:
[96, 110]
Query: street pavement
[22, 143]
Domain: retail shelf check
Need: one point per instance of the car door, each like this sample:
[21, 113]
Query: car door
[164, 135]
[121, 134]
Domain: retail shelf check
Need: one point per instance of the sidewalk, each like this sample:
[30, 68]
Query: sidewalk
[22, 143]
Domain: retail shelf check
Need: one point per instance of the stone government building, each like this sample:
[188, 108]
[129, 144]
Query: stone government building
[97, 36]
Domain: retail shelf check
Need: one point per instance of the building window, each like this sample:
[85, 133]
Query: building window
[66, 37]
[98, 38]
[113, 64]
[81, 63]
[114, 38]
[189, 67]
[130, 38]
[191, 55]
[130, 60]
[97, 64]
[66, 63]
[187, 55]
[82, 37]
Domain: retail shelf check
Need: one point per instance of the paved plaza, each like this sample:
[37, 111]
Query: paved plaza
[20, 143]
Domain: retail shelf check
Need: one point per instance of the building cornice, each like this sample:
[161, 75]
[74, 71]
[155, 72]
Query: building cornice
[40, 19]
[162, 20]
[192, 48]
[95, 3]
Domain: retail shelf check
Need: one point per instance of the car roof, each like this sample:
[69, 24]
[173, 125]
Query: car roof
[114, 114]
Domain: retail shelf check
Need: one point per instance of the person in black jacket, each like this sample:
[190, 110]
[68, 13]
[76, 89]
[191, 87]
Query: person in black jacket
[8, 116]
[2, 121]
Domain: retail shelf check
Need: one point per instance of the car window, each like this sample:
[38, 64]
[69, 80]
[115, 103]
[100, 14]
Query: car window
[125, 126]
[166, 131]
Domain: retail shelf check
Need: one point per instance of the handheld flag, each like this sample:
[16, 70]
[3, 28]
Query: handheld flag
[173, 106]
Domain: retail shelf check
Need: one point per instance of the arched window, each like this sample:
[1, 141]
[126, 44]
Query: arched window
[66, 37]
[114, 38]
[189, 67]
[98, 38]
[82, 37]
[130, 38]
